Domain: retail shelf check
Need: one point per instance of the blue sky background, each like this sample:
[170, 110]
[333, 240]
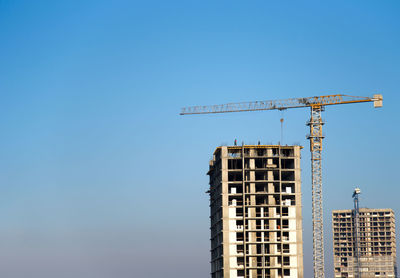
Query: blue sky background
[99, 175]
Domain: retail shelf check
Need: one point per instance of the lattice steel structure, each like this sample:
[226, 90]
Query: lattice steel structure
[356, 216]
[315, 138]
[317, 105]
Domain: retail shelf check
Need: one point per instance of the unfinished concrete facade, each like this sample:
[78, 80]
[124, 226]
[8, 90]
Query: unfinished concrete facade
[377, 243]
[256, 218]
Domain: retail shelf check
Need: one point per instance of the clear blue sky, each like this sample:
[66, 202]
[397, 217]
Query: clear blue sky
[99, 175]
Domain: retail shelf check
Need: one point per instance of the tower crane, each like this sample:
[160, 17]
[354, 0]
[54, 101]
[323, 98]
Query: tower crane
[356, 213]
[317, 106]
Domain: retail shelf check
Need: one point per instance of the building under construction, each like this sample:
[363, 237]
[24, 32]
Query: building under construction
[256, 217]
[364, 247]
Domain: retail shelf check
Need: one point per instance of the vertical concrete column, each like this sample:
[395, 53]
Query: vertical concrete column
[252, 213]
[299, 216]
[225, 210]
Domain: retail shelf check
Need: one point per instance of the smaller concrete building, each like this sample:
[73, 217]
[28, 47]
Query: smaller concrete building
[377, 243]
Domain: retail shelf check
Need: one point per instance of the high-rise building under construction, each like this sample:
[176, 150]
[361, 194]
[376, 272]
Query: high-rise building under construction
[256, 217]
[375, 253]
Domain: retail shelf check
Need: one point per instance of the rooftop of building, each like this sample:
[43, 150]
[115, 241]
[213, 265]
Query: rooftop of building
[363, 210]
[239, 147]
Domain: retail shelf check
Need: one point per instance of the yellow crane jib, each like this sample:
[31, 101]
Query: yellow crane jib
[280, 104]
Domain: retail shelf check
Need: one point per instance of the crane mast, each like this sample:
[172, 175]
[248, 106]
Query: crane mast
[356, 213]
[315, 138]
[317, 105]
